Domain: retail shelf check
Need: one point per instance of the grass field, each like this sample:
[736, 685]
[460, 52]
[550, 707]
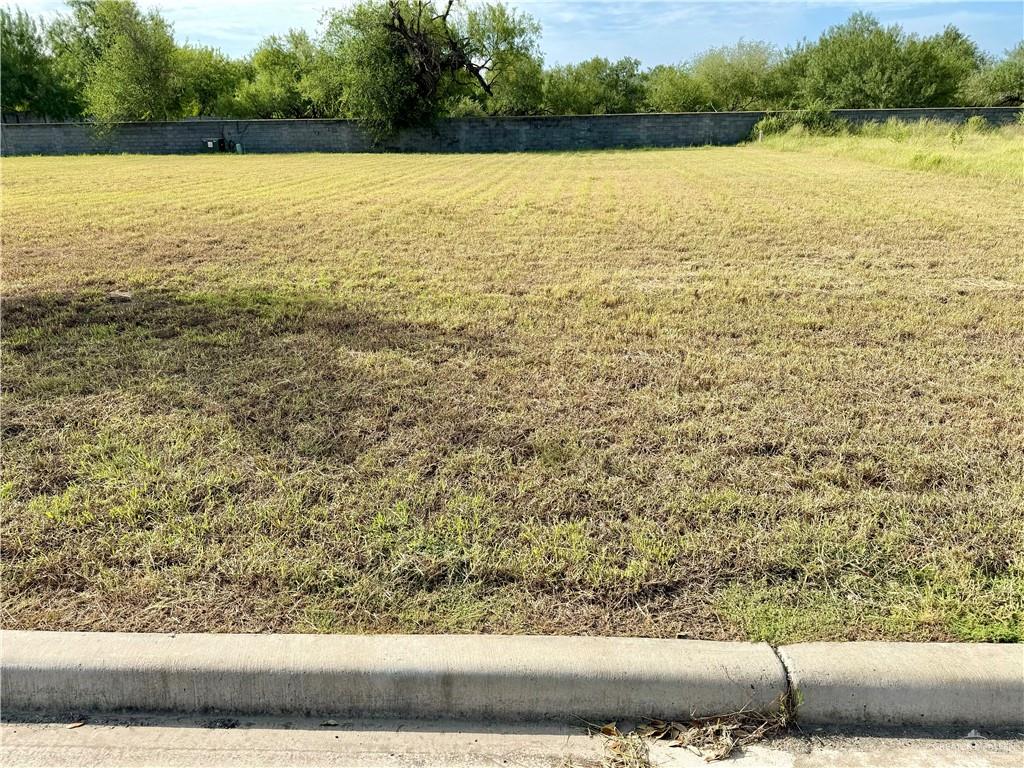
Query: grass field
[773, 391]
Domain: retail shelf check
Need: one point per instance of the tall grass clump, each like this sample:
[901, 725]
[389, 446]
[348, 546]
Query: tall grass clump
[972, 148]
[816, 119]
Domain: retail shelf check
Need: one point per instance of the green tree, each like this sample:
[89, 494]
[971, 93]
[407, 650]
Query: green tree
[960, 58]
[595, 87]
[520, 89]
[119, 62]
[786, 82]
[135, 76]
[861, 65]
[274, 88]
[30, 83]
[79, 38]
[506, 43]
[406, 62]
[999, 83]
[207, 80]
[322, 87]
[738, 77]
[673, 88]
[375, 75]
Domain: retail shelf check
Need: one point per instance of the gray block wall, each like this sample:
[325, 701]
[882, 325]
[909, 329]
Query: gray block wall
[493, 134]
[994, 115]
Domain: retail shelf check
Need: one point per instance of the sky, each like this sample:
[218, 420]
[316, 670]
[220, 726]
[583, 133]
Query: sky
[653, 31]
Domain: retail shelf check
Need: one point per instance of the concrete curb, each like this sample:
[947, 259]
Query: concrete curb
[409, 676]
[925, 684]
[508, 678]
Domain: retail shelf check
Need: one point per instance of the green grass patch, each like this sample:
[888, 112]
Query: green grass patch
[973, 149]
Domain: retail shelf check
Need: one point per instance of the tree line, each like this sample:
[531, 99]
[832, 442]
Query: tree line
[397, 63]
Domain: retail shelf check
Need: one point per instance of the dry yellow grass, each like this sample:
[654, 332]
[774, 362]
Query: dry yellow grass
[734, 392]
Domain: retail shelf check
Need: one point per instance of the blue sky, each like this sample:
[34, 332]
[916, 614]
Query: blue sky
[654, 32]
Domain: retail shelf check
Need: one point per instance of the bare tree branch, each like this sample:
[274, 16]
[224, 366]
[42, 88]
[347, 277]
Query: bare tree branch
[432, 58]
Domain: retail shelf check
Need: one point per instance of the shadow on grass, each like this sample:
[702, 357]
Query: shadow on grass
[293, 372]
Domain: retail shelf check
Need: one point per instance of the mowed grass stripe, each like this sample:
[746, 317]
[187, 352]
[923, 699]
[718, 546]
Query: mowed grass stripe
[726, 392]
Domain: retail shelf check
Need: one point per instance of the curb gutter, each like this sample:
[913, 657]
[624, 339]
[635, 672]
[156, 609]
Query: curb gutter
[924, 684]
[511, 678]
[408, 676]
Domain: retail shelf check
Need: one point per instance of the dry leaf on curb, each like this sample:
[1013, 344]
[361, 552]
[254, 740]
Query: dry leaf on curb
[715, 738]
[627, 751]
[656, 729]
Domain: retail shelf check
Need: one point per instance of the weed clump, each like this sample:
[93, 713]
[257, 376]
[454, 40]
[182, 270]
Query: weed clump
[819, 120]
[816, 119]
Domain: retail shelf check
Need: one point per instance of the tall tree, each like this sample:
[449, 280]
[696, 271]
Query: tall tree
[786, 88]
[404, 62]
[30, 83]
[861, 64]
[961, 60]
[79, 38]
[135, 76]
[505, 42]
[274, 89]
[322, 85]
[120, 62]
[375, 74]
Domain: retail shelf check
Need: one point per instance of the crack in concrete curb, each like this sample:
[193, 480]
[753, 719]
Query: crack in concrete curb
[789, 698]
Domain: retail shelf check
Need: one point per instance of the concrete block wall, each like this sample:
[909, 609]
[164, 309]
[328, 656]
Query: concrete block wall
[994, 115]
[491, 134]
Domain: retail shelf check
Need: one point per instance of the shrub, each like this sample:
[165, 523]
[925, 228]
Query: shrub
[673, 88]
[770, 125]
[815, 119]
[595, 87]
[973, 124]
[466, 107]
